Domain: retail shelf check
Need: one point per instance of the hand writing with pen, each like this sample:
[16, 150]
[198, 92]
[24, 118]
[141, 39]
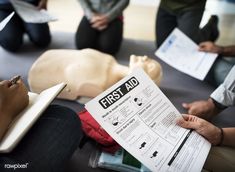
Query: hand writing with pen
[13, 99]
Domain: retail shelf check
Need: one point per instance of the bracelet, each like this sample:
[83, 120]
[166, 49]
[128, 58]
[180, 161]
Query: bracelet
[221, 137]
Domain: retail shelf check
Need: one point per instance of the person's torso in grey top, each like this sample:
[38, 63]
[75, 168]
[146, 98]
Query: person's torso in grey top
[112, 8]
[225, 93]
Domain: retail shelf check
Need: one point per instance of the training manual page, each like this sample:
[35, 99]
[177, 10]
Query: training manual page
[30, 13]
[180, 52]
[141, 119]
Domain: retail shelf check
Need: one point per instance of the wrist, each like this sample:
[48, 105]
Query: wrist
[218, 105]
[213, 109]
[5, 121]
[5, 118]
[221, 137]
[220, 50]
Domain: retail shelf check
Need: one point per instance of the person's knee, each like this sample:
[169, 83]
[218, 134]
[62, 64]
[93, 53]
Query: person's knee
[41, 41]
[65, 114]
[109, 47]
[82, 42]
[11, 43]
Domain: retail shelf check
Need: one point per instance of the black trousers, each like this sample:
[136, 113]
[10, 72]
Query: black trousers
[11, 37]
[107, 41]
[187, 21]
[48, 145]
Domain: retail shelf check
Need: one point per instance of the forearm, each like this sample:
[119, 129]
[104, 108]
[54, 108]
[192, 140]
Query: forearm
[117, 9]
[86, 8]
[4, 124]
[229, 137]
[227, 51]
[42, 4]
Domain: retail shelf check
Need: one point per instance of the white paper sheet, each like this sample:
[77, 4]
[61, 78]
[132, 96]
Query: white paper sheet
[142, 120]
[6, 20]
[182, 53]
[30, 13]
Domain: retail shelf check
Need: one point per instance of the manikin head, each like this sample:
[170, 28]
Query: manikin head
[150, 66]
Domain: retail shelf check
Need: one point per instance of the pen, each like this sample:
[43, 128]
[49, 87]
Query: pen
[14, 79]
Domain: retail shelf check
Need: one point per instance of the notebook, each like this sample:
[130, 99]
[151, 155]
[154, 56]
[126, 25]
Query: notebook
[25, 120]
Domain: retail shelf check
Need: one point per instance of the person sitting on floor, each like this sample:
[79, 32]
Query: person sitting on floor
[101, 27]
[11, 37]
[185, 15]
[221, 156]
[50, 142]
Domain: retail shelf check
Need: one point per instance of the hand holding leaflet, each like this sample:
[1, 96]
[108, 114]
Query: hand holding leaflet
[6, 20]
[30, 13]
[142, 120]
[182, 53]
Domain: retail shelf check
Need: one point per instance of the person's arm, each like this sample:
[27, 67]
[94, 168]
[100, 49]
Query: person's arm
[224, 95]
[227, 50]
[205, 109]
[101, 21]
[87, 9]
[215, 135]
[5, 121]
[117, 9]
[42, 4]
[221, 98]
[213, 48]
[228, 137]
[13, 99]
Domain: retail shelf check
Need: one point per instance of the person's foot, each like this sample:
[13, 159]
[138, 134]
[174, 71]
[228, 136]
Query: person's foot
[212, 28]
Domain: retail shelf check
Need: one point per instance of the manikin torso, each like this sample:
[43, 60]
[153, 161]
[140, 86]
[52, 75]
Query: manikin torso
[87, 72]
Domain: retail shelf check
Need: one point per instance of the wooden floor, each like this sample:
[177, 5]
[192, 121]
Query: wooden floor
[140, 20]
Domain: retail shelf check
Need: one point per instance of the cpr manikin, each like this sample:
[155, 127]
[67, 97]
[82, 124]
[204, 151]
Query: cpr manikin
[87, 72]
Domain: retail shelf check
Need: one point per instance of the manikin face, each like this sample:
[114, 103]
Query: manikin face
[150, 66]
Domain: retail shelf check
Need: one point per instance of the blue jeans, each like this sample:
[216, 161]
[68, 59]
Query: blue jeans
[11, 37]
[48, 145]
